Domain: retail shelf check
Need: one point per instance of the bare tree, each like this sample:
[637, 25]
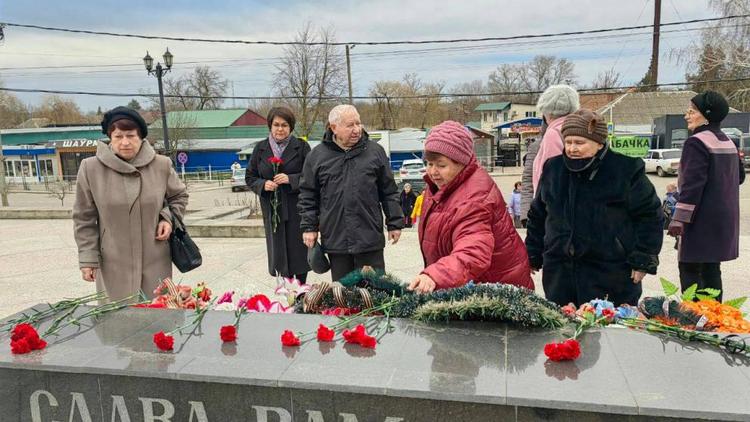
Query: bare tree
[182, 133]
[195, 91]
[462, 108]
[13, 111]
[607, 79]
[311, 74]
[59, 189]
[721, 53]
[389, 104]
[535, 76]
[59, 110]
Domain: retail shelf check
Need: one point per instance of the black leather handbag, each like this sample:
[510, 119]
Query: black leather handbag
[185, 253]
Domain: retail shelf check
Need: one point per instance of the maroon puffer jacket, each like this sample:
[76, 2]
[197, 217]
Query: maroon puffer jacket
[467, 234]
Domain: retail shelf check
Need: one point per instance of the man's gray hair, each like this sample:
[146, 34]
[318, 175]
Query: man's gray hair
[334, 117]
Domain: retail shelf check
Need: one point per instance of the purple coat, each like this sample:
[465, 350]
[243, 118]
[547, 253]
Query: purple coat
[709, 202]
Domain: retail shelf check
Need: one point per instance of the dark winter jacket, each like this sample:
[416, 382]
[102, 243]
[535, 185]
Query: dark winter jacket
[407, 202]
[287, 255]
[342, 194]
[466, 233]
[709, 186]
[589, 228]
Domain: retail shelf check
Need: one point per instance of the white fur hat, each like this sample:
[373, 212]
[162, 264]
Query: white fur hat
[558, 100]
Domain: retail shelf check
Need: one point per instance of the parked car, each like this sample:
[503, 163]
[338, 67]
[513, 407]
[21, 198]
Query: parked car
[238, 180]
[412, 170]
[741, 141]
[663, 161]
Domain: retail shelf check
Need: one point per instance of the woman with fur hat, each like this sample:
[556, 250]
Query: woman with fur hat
[555, 103]
[465, 231]
[122, 216]
[707, 213]
[595, 225]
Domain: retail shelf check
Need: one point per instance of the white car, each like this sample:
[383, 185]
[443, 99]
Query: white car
[412, 169]
[663, 161]
[238, 180]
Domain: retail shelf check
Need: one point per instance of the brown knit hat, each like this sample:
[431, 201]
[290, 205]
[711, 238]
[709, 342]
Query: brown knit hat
[587, 124]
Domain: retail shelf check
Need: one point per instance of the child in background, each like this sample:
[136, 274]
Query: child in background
[514, 206]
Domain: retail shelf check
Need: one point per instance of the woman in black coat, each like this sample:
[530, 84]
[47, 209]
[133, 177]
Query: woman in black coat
[408, 199]
[287, 255]
[707, 214]
[595, 225]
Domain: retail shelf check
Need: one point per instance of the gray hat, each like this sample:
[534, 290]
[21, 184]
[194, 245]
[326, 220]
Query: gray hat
[558, 100]
[317, 260]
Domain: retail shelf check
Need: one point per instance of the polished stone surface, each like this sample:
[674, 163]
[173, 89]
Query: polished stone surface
[430, 372]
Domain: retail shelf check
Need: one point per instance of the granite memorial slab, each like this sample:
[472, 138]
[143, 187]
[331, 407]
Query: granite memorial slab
[110, 370]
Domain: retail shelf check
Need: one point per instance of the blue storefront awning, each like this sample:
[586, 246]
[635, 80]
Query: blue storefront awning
[534, 121]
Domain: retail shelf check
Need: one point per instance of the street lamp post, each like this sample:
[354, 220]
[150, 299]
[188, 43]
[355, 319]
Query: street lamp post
[159, 71]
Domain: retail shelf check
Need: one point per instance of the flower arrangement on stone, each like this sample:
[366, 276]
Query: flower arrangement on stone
[358, 335]
[695, 315]
[275, 202]
[291, 288]
[24, 335]
[180, 296]
[165, 341]
[597, 313]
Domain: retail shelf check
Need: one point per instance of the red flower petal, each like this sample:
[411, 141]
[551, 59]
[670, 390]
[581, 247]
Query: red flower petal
[568, 350]
[259, 299]
[228, 333]
[20, 347]
[163, 341]
[325, 333]
[573, 349]
[289, 339]
[368, 342]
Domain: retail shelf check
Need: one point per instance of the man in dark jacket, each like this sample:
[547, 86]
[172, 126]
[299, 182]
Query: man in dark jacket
[595, 225]
[345, 183]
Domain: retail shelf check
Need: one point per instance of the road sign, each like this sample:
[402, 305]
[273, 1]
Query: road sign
[182, 158]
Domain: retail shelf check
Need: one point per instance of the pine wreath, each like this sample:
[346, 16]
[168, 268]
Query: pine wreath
[472, 302]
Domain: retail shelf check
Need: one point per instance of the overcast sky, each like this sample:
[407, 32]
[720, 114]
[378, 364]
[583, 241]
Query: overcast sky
[251, 67]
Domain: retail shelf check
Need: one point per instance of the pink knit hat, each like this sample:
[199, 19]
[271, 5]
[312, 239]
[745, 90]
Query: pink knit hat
[452, 140]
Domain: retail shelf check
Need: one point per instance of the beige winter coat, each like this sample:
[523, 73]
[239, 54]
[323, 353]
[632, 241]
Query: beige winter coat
[117, 209]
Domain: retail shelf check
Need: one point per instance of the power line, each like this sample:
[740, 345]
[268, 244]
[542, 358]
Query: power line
[400, 42]
[363, 97]
[368, 56]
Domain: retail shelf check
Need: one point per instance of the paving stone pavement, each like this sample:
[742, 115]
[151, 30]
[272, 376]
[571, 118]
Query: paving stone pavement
[38, 263]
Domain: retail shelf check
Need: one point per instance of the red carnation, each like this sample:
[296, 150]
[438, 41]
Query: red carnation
[24, 339]
[573, 349]
[325, 333]
[259, 299]
[205, 294]
[163, 341]
[609, 314]
[570, 349]
[368, 342]
[289, 339]
[275, 160]
[20, 346]
[355, 335]
[228, 333]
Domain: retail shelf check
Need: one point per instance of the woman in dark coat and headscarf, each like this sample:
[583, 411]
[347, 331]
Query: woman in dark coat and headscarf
[408, 199]
[595, 225]
[287, 255]
[707, 214]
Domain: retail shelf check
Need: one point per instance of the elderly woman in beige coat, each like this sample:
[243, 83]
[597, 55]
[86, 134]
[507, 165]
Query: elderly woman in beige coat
[125, 197]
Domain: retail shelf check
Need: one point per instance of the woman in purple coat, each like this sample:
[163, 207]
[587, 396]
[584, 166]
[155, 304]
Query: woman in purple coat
[707, 215]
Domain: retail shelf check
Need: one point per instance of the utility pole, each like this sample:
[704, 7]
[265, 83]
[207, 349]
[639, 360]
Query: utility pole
[652, 77]
[3, 189]
[349, 72]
